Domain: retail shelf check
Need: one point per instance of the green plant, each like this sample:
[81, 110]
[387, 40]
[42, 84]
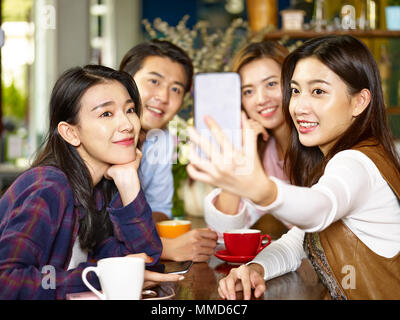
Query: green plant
[209, 50]
[180, 175]
[14, 102]
[178, 128]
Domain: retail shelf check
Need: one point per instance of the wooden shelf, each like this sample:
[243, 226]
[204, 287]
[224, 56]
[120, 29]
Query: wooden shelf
[393, 110]
[276, 35]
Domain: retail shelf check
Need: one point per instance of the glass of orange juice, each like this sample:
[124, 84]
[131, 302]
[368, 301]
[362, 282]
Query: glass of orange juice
[173, 228]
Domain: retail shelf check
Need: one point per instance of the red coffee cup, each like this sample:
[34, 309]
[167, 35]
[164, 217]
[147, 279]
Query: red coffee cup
[245, 242]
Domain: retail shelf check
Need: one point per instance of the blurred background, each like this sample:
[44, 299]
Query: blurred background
[42, 38]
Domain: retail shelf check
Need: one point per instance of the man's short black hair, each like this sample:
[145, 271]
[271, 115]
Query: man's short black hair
[133, 59]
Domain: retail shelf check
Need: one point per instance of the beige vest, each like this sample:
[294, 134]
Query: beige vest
[348, 267]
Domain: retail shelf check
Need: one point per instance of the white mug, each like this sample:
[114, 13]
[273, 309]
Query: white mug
[121, 278]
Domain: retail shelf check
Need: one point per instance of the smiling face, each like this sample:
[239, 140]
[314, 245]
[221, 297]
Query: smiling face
[161, 83]
[108, 128]
[261, 92]
[320, 105]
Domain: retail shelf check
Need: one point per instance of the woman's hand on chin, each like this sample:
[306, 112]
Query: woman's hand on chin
[126, 178]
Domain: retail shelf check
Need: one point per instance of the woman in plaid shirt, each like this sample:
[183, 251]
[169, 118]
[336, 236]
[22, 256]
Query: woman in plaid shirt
[81, 200]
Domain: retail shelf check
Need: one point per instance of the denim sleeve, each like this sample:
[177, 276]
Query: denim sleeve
[155, 171]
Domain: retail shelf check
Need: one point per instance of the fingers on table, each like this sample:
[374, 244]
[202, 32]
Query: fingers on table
[244, 276]
[241, 279]
[227, 286]
[258, 284]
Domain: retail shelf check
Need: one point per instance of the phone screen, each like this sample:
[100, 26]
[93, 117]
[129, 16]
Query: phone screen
[175, 267]
[218, 95]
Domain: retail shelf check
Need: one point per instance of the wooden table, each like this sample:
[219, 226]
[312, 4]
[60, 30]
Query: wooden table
[201, 281]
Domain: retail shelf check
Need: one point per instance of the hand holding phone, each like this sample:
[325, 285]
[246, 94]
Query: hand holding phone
[218, 95]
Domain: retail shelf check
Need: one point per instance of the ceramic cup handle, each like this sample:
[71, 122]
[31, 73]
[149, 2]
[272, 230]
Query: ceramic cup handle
[262, 246]
[86, 282]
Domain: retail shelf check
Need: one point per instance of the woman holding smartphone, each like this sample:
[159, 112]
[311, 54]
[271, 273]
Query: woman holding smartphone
[81, 200]
[345, 168]
[259, 65]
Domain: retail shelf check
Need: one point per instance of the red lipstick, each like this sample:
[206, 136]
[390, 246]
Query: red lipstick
[125, 142]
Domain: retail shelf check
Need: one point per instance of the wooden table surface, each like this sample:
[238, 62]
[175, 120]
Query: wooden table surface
[201, 281]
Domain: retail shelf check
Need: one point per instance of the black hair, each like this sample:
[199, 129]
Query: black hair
[133, 60]
[65, 103]
[354, 63]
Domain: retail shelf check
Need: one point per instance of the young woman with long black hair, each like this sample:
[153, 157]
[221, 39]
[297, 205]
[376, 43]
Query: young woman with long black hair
[346, 171]
[81, 200]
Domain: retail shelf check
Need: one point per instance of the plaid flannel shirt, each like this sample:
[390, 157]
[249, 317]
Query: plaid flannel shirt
[39, 222]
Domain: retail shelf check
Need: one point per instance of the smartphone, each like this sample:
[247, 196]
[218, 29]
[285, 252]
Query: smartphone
[176, 267]
[218, 95]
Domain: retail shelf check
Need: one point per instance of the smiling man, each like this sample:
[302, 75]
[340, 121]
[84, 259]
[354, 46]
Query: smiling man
[163, 74]
[163, 83]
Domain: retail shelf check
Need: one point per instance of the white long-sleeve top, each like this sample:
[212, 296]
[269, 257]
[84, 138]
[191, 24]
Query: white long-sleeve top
[351, 189]
[220, 222]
